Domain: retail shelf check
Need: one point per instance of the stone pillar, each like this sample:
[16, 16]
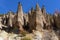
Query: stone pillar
[44, 16]
[10, 19]
[1, 22]
[20, 19]
[32, 18]
[39, 18]
[36, 18]
[4, 19]
[43, 10]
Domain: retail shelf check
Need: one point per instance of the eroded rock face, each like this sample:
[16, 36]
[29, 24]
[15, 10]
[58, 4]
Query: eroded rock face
[10, 19]
[0, 22]
[36, 35]
[36, 19]
[39, 18]
[9, 36]
[20, 19]
[45, 35]
[20, 14]
[56, 19]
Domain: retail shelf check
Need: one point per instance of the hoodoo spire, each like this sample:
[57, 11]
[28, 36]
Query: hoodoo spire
[10, 19]
[43, 9]
[20, 19]
[20, 13]
[37, 7]
[19, 7]
[32, 9]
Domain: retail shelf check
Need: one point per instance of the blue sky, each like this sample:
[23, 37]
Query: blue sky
[50, 5]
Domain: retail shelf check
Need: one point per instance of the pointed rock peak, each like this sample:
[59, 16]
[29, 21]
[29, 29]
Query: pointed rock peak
[43, 6]
[10, 11]
[32, 9]
[4, 16]
[37, 7]
[29, 13]
[19, 6]
[43, 9]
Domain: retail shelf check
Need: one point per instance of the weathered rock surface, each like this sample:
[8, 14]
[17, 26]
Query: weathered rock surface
[45, 35]
[48, 26]
[36, 35]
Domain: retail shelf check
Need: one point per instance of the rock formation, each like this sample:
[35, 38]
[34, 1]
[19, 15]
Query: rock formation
[19, 17]
[10, 19]
[36, 19]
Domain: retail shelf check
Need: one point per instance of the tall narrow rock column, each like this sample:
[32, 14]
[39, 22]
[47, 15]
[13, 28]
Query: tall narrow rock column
[44, 16]
[0, 22]
[20, 17]
[10, 19]
[39, 18]
[4, 20]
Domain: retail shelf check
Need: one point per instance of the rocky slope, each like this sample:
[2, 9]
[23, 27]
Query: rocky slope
[36, 35]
